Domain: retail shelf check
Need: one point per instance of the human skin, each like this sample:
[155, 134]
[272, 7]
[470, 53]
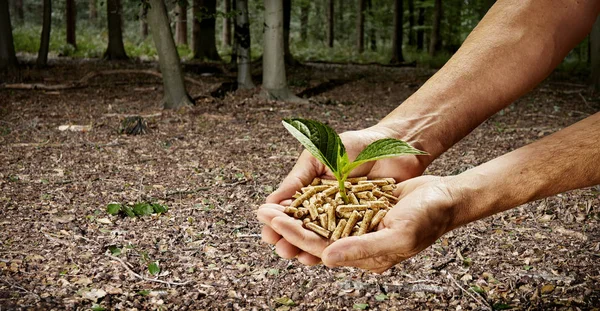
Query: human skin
[514, 48]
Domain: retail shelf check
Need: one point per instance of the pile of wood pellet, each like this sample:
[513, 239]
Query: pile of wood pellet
[322, 210]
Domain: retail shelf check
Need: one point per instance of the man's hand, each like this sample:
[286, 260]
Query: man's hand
[276, 223]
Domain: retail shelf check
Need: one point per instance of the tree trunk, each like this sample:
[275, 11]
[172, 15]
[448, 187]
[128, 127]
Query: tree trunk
[42, 60]
[226, 24]
[360, 26]
[287, 16]
[234, 45]
[340, 20]
[71, 20]
[304, 10]
[411, 22]
[93, 11]
[204, 43]
[242, 36]
[181, 25]
[330, 24]
[115, 49]
[274, 80]
[397, 38]
[595, 55]
[19, 12]
[421, 23]
[143, 21]
[434, 44]
[372, 30]
[175, 94]
[8, 59]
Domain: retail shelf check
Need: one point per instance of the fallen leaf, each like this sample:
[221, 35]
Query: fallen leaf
[547, 289]
[93, 294]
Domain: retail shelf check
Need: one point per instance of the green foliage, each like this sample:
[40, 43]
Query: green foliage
[360, 306]
[285, 301]
[325, 145]
[138, 209]
[154, 268]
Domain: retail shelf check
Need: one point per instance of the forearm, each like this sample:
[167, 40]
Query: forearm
[560, 162]
[516, 45]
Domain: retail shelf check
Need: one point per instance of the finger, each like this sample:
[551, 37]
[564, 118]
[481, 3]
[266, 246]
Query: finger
[269, 235]
[292, 231]
[266, 212]
[286, 250]
[361, 250]
[305, 170]
[308, 259]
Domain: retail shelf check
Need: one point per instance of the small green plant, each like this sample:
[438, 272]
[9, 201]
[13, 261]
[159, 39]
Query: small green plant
[326, 145]
[138, 209]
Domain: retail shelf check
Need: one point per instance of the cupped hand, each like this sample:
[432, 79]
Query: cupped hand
[287, 234]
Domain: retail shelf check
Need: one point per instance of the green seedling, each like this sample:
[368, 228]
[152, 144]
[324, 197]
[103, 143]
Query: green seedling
[326, 145]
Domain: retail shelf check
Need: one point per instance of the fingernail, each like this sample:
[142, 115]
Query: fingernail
[336, 257]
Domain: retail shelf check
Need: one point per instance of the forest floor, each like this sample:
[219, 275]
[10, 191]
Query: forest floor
[214, 164]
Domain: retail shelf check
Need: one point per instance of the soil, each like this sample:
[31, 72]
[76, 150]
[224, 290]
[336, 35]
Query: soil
[215, 163]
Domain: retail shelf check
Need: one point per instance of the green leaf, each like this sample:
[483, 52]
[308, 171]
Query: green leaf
[527, 268]
[153, 268]
[128, 211]
[477, 289]
[320, 140]
[113, 208]
[501, 306]
[159, 208]
[114, 250]
[383, 148]
[361, 306]
[273, 272]
[97, 307]
[144, 292]
[143, 209]
[381, 297]
[285, 301]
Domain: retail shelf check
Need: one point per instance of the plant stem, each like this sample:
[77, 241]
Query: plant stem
[341, 182]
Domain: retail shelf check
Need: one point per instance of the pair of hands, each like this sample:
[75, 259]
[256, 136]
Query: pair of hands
[423, 213]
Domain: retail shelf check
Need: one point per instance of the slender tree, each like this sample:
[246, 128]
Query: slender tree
[8, 59]
[115, 49]
[330, 23]
[421, 24]
[181, 35]
[372, 29]
[204, 44]
[360, 26]
[435, 41]
[234, 44]
[93, 9]
[340, 23]
[397, 38]
[242, 36]
[226, 40]
[411, 22]
[304, 10]
[287, 16]
[42, 59]
[174, 86]
[19, 12]
[274, 80]
[143, 22]
[595, 55]
[71, 13]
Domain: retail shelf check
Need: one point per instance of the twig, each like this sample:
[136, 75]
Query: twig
[584, 100]
[142, 277]
[483, 303]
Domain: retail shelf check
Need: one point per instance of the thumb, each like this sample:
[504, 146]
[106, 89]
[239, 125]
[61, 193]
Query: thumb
[303, 173]
[364, 251]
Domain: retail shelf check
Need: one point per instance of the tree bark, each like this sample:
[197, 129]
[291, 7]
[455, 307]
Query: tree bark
[174, 86]
[372, 30]
[203, 37]
[143, 21]
[304, 10]
[330, 24]
[340, 23]
[595, 55]
[234, 44]
[274, 80]
[242, 36]
[434, 44]
[19, 12]
[42, 60]
[226, 40]
[360, 26]
[8, 59]
[181, 34]
[421, 23]
[287, 16]
[71, 22]
[411, 22]
[397, 37]
[115, 49]
[93, 9]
